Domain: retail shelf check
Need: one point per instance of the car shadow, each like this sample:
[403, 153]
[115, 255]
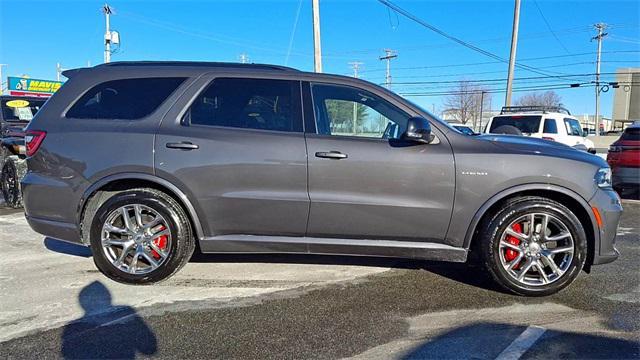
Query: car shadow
[106, 331]
[486, 340]
[67, 248]
[459, 272]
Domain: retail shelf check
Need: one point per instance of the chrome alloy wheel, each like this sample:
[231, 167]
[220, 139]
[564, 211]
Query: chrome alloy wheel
[536, 249]
[136, 239]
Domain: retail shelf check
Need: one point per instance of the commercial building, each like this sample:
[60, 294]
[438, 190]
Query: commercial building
[626, 97]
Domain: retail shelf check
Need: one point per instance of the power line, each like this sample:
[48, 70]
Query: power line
[529, 88]
[416, 19]
[497, 62]
[549, 26]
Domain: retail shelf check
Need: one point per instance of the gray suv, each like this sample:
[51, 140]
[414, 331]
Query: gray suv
[142, 161]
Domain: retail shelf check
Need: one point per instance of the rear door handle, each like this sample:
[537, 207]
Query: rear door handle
[336, 155]
[185, 145]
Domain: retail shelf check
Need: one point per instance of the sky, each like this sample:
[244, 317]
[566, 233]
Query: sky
[555, 39]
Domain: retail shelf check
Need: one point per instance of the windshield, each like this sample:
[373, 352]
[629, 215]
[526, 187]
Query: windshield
[526, 124]
[464, 129]
[20, 109]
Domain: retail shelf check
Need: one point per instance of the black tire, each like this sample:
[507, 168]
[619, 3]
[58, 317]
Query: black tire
[180, 250]
[493, 228]
[11, 185]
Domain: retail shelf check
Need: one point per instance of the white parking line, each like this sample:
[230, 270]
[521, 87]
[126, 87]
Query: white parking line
[522, 343]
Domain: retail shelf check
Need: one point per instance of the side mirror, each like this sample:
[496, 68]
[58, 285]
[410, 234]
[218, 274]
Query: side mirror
[418, 130]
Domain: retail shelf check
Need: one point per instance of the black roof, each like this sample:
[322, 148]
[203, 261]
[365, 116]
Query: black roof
[199, 64]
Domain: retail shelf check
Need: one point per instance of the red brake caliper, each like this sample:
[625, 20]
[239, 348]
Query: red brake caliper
[511, 254]
[160, 242]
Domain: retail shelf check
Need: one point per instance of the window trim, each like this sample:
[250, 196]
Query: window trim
[348, 137]
[186, 111]
[185, 80]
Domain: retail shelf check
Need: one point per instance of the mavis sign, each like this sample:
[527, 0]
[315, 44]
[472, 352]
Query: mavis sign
[20, 86]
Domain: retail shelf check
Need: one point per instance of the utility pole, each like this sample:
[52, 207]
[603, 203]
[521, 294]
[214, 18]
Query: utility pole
[58, 71]
[244, 59]
[512, 55]
[481, 110]
[355, 65]
[317, 48]
[1, 79]
[106, 10]
[601, 34]
[390, 54]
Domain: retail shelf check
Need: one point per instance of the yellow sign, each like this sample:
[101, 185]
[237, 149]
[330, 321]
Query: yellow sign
[17, 103]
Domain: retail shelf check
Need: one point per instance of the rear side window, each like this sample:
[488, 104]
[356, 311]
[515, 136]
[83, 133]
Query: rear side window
[262, 104]
[126, 99]
[550, 126]
[631, 134]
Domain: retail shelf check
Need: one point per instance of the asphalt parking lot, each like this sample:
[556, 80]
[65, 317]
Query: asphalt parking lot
[55, 304]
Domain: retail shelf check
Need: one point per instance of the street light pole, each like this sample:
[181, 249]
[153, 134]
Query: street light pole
[107, 35]
[1, 87]
[512, 56]
[317, 48]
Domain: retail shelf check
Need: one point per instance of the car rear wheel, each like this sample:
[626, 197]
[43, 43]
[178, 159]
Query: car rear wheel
[140, 236]
[533, 246]
[10, 185]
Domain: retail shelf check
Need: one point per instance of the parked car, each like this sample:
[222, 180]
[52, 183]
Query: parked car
[544, 122]
[624, 159]
[141, 160]
[16, 113]
[463, 128]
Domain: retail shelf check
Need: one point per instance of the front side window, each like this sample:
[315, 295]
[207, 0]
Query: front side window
[573, 127]
[346, 111]
[125, 99]
[550, 126]
[262, 104]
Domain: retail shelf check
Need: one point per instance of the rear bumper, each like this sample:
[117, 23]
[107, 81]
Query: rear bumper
[610, 209]
[55, 229]
[625, 176]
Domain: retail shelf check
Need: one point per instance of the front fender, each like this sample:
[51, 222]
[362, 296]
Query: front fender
[526, 188]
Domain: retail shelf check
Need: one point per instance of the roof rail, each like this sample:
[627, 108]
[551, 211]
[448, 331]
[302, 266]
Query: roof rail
[533, 108]
[198, 64]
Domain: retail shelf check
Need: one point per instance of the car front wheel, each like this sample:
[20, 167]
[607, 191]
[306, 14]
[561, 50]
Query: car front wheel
[140, 236]
[533, 246]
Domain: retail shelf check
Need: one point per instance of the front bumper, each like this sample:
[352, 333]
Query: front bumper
[608, 204]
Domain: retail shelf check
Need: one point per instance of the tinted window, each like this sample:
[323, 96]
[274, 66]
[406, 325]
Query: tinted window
[24, 112]
[345, 111]
[550, 126]
[573, 127]
[249, 103]
[526, 124]
[126, 99]
[631, 134]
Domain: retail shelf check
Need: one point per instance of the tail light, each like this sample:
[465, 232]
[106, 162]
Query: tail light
[33, 139]
[548, 138]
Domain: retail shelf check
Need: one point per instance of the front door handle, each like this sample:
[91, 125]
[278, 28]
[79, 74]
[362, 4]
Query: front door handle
[335, 155]
[185, 145]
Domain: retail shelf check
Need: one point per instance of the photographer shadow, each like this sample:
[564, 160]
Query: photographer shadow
[106, 331]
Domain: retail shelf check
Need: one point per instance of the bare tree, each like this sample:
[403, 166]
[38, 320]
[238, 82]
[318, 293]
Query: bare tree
[463, 105]
[547, 98]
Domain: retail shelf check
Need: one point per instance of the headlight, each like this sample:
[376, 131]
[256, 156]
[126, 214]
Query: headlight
[603, 177]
